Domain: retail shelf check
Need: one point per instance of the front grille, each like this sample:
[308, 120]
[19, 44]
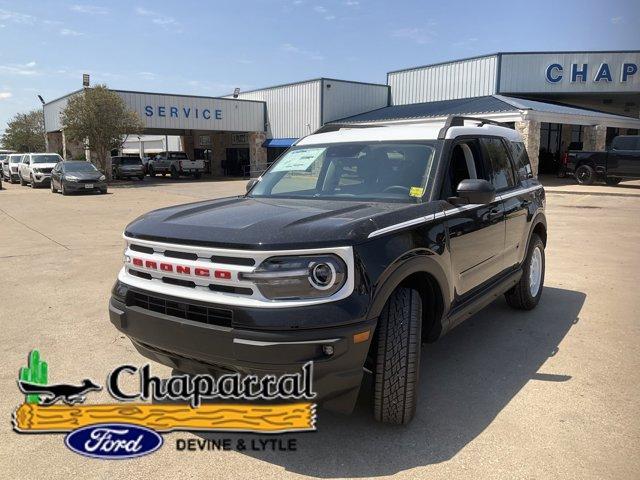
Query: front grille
[46, 170]
[184, 310]
[88, 181]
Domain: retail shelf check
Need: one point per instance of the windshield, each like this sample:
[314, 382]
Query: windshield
[393, 171]
[79, 167]
[130, 161]
[46, 159]
[177, 155]
[15, 158]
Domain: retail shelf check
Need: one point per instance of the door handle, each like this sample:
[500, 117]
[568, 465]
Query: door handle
[494, 213]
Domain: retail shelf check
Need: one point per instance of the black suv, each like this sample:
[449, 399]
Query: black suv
[356, 247]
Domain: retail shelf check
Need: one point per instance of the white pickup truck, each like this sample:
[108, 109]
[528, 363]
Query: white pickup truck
[176, 164]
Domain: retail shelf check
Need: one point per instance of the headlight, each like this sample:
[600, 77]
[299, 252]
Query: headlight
[36, 170]
[287, 278]
[102, 178]
[71, 178]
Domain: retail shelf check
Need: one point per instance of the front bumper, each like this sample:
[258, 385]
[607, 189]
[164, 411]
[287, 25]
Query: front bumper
[41, 178]
[196, 347]
[82, 187]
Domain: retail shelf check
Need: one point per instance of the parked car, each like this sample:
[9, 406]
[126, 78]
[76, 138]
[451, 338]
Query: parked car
[620, 162]
[35, 168]
[77, 176]
[127, 167]
[356, 246]
[176, 164]
[10, 167]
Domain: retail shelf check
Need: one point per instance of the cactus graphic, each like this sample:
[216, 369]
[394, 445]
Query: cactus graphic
[36, 372]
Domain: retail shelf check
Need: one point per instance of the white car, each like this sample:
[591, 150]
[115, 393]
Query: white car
[35, 168]
[10, 167]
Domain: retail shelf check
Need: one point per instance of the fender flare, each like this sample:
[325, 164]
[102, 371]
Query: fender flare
[396, 273]
[540, 218]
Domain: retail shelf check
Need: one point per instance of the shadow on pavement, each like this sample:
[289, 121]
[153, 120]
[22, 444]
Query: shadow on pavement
[467, 378]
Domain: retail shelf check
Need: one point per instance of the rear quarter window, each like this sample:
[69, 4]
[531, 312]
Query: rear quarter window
[521, 159]
[626, 143]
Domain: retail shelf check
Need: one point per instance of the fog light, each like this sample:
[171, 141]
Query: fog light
[327, 350]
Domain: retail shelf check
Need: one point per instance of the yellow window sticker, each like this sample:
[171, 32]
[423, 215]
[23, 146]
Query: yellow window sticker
[416, 192]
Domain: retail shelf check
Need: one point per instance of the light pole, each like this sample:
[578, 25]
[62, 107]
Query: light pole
[44, 122]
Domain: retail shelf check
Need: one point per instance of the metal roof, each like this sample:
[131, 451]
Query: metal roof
[473, 106]
[461, 106]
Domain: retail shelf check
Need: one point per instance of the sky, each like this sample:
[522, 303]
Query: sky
[209, 48]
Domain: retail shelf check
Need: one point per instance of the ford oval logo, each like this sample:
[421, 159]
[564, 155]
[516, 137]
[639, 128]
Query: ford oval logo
[113, 441]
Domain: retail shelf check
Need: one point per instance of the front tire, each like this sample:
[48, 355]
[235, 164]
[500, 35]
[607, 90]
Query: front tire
[22, 182]
[398, 358]
[33, 182]
[174, 173]
[151, 171]
[585, 174]
[63, 190]
[527, 292]
[53, 189]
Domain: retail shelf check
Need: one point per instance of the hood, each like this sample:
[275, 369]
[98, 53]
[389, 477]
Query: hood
[44, 165]
[260, 223]
[85, 175]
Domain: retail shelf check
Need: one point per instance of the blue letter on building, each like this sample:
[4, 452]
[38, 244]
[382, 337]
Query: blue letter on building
[550, 73]
[628, 69]
[173, 111]
[148, 111]
[218, 114]
[206, 114]
[603, 73]
[575, 73]
[161, 112]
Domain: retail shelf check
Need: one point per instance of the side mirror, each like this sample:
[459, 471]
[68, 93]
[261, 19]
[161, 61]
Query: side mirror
[251, 183]
[474, 191]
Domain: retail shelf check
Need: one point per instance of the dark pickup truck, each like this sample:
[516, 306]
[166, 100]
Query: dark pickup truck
[621, 162]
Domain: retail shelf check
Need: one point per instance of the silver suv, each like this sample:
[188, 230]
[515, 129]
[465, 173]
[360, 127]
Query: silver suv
[35, 168]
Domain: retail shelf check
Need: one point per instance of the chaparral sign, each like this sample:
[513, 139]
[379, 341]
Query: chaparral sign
[583, 72]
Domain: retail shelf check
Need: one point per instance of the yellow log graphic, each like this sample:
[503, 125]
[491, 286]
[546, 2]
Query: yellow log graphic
[223, 417]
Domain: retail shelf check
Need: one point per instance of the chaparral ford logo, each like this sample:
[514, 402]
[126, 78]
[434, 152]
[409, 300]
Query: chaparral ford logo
[113, 441]
[132, 426]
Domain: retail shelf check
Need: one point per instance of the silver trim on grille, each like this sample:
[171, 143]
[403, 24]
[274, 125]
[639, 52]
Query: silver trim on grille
[202, 292]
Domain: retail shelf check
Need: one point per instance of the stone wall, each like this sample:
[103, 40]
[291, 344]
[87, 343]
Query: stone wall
[530, 131]
[257, 153]
[594, 138]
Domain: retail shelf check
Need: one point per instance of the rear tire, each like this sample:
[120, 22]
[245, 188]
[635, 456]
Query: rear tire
[527, 292]
[174, 173]
[613, 181]
[585, 174]
[398, 358]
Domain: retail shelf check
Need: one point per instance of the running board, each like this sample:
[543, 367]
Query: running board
[481, 299]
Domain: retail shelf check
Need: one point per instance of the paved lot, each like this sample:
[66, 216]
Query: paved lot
[552, 393]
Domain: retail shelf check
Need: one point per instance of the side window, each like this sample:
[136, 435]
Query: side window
[499, 164]
[523, 165]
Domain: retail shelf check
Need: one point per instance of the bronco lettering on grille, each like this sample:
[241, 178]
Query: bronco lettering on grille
[181, 269]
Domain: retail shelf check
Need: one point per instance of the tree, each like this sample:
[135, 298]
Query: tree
[101, 117]
[25, 132]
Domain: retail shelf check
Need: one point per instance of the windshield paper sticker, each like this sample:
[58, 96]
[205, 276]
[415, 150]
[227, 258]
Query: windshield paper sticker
[416, 192]
[298, 160]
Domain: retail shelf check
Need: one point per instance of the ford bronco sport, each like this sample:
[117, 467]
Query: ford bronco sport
[352, 250]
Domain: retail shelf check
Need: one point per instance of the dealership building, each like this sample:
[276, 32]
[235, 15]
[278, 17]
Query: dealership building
[556, 100]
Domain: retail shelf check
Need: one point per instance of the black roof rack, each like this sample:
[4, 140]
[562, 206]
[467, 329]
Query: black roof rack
[458, 121]
[333, 127]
